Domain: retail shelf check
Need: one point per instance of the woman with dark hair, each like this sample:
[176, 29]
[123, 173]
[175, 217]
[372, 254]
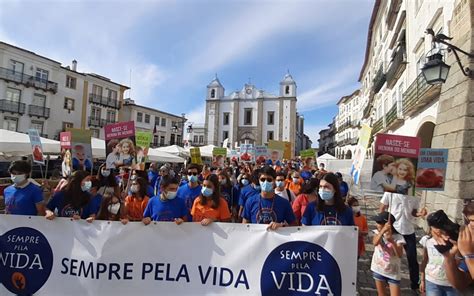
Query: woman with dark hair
[329, 208]
[228, 192]
[136, 202]
[112, 209]
[309, 193]
[142, 174]
[73, 199]
[210, 206]
[108, 182]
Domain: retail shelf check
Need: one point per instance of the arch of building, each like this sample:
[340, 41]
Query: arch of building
[425, 131]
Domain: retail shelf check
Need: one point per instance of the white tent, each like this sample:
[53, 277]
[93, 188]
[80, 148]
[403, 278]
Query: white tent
[18, 144]
[326, 156]
[175, 150]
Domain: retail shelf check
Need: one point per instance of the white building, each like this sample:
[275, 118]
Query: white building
[40, 93]
[348, 121]
[251, 115]
[196, 135]
[167, 128]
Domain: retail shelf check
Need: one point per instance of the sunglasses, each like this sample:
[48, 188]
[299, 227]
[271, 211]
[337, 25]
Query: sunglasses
[192, 173]
[244, 178]
[266, 179]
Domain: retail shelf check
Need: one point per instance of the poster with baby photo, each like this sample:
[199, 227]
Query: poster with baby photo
[81, 149]
[431, 172]
[120, 145]
[395, 164]
[143, 140]
[66, 164]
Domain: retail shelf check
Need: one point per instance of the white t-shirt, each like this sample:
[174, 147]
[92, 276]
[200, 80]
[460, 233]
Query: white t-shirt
[284, 194]
[384, 260]
[401, 207]
[434, 271]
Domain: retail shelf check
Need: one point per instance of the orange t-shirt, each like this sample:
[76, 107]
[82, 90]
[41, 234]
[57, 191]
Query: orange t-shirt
[199, 211]
[135, 207]
[296, 188]
[361, 222]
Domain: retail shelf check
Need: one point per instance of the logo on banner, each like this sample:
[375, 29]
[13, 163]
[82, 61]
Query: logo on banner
[300, 268]
[26, 260]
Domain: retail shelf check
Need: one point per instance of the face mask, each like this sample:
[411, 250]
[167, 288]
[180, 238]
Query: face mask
[183, 177]
[17, 179]
[207, 192]
[245, 182]
[171, 194]
[193, 179]
[326, 194]
[114, 208]
[134, 188]
[105, 173]
[266, 186]
[223, 182]
[296, 180]
[87, 186]
[279, 183]
[356, 209]
[133, 177]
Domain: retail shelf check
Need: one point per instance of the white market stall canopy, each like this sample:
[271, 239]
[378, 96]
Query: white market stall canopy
[326, 156]
[175, 150]
[18, 144]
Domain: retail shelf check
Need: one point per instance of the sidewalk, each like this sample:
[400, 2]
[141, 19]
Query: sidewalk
[365, 282]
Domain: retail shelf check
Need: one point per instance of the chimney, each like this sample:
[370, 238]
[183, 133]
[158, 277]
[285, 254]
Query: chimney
[74, 65]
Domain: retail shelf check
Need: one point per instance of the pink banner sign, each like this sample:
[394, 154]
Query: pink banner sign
[119, 130]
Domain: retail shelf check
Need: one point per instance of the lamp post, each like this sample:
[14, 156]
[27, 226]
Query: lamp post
[179, 126]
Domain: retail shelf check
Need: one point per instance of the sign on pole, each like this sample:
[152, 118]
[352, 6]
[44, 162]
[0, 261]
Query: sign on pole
[37, 148]
[431, 172]
[120, 144]
[143, 140]
[218, 157]
[195, 155]
[360, 152]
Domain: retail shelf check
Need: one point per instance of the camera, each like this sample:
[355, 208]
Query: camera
[440, 220]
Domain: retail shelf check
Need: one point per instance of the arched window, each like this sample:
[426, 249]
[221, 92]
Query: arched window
[287, 90]
[213, 93]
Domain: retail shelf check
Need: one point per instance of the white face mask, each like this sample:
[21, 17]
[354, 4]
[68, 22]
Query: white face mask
[134, 188]
[356, 209]
[105, 173]
[114, 208]
[17, 179]
[170, 194]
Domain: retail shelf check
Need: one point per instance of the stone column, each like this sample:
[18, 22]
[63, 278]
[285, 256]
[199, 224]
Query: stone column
[455, 120]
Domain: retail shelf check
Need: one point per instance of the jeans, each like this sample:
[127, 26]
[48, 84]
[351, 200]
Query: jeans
[410, 250]
[437, 290]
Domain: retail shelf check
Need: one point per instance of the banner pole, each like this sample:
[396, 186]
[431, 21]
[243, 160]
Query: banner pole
[47, 165]
[41, 169]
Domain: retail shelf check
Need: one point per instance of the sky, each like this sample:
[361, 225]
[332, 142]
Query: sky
[168, 51]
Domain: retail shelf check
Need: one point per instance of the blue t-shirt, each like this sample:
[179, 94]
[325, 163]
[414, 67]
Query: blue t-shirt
[93, 207]
[344, 188]
[330, 216]
[230, 194]
[188, 194]
[152, 176]
[168, 210]
[260, 210]
[87, 164]
[57, 205]
[245, 192]
[22, 201]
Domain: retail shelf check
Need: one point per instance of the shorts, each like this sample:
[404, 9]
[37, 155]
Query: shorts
[379, 277]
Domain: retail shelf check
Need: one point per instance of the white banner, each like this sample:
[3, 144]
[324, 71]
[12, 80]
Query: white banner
[64, 257]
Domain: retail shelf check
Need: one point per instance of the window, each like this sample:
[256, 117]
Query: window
[162, 140]
[147, 118]
[225, 135]
[37, 125]
[213, 93]
[287, 90]
[248, 116]
[155, 140]
[39, 100]
[71, 82]
[95, 113]
[110, 116]
[67, 125]
[174, 125]
[97, 90]
[139, 116]
[95, 133]
[269, 135]
[163, 121]
[41, 74]
[172, 139]
[10, 123]
[178, 139]
[69, 104]
[270, 118]
[226, 118]
[112, 94]
[16, 66]
[13, 94]
[157, 120]
[195, 140]
[201, 139]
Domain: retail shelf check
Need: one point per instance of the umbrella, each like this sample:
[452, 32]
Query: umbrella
[18, 144]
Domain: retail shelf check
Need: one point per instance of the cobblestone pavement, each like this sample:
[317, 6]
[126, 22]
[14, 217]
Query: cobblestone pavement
[365, 282]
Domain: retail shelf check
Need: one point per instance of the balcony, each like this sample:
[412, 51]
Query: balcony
[418, 95]
[104, 101]
[378, 126]
[397, 66]
[97, 122]
[38, 111]
[379, 80]
[12, 107]
[28, 80]
[110, 121]
[350, 141]
[393, 118]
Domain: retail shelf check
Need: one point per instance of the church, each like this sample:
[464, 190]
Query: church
[252, 115]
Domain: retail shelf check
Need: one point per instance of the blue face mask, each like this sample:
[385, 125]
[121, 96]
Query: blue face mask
[326, 194]
[207, 192]
[266, 186]
[279, 183]
[193, 179]
[245, 182]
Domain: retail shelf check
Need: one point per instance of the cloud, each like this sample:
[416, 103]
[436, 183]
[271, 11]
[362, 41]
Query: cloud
[312, 131]
[197, 115]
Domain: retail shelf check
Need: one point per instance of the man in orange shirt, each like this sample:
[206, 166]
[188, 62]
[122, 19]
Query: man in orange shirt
[295, 184]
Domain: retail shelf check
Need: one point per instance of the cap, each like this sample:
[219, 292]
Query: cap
[438, 219]
[383, 218]
[339, 175]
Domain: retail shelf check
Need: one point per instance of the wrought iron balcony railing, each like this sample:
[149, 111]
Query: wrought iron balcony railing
[28, 80]
[38, 111]
[12, 107]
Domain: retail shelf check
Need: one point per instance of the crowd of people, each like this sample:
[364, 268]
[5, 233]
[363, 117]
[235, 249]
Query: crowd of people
[288, 194]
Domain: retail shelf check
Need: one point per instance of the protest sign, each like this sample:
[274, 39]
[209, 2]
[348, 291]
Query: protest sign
[143, 140]
[261, 154]
[287, 151]
[63, 257]
[360, 152]
[65, 142]
[218, 157]
[431, 173]
[275, 150]
[195, 155]
[120, 144]
[308, 157]
[81, 149]
[36, 147]
[395, 163]
[234, 155]
[247, 153]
